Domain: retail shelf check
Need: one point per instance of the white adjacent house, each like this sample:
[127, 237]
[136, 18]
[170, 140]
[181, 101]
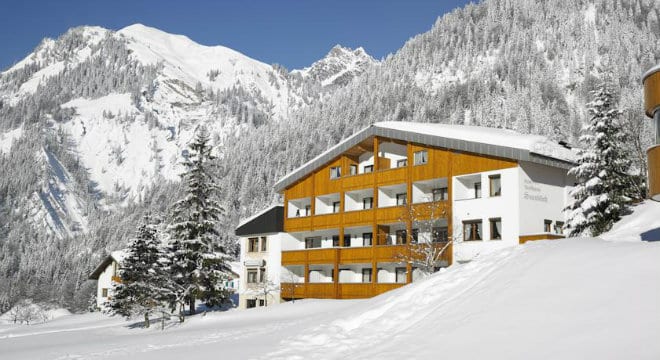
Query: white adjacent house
[261, 237]
[107, 274]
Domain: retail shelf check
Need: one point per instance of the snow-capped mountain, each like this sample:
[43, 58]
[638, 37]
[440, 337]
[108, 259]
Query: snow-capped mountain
[116, 110]
[129, 134]
[339, 66]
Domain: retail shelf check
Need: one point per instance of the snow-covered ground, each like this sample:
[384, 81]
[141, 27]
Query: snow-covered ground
[568, 299]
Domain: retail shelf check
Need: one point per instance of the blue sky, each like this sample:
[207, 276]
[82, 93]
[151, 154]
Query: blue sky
[288, 32]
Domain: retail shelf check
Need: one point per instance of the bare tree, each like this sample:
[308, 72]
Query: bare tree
[290, 281]
[429, 239]
[263, 288]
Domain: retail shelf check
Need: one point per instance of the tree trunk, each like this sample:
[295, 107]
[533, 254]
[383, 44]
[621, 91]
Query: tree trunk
[181, 314]
[191, 303]
[146, 320]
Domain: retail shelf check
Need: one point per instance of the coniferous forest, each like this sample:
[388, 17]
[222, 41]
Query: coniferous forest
[530, 66]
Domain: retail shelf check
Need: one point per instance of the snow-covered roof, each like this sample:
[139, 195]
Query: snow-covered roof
[474, 139]
[118, 256]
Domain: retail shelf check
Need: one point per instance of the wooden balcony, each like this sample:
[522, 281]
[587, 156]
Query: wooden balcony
[392, 176]
[297, 224]
[116, 279]
[358, 217]
[309, 256]
[335, 291]
[348, 255]
[356, 255]
[327, 221]
[391, 214]
[358, 181]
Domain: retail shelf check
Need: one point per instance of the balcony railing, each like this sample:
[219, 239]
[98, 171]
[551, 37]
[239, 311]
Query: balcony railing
[335, 291]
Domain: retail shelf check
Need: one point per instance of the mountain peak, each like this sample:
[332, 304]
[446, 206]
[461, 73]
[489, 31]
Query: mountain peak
[339, 66]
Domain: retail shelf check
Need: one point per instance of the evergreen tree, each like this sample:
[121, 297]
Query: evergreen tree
[198, 265]
[143, 275]
[602, 171]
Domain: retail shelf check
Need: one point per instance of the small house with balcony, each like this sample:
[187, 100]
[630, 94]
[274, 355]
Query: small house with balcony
[352, 214]
[107, 274]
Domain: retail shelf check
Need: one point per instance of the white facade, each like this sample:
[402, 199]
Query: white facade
[106, 275]
[530, 202]
[266, 262]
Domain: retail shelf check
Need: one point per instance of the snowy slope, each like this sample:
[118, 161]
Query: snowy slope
[568, 299]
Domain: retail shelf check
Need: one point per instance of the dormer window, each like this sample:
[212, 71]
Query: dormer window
[421, 157]
[335, 172]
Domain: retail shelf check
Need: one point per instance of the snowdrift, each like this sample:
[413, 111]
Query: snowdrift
[580, 298]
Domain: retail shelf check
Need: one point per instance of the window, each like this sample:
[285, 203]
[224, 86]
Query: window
[439, 234]
[335, 172]
[402, 163]
[414, 235]
[368, 169]
[353, 169]
[252, 276]
[440, 194]
[472, 230]
[400, 275]
[262, 302]
[262, 274]
[335, 240]
[367, 239]
[251, 303]
[401, 236]
[421, 157]
[308, 210]
[547, 226]
[401, 199]
[367, 203]
[495, 185]
[477, 190]
[496, 229]
[104, 292]
[253, 244]
[366, 275]
[335, 206]
[347, 240]
[312, 242]
[559, 227]
[264, 244]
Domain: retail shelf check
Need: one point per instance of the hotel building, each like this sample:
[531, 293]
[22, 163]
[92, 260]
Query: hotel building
[352, 215]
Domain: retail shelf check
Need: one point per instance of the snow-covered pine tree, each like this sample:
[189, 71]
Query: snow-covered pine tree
[602, 194]
[143, 274]
[198, 264]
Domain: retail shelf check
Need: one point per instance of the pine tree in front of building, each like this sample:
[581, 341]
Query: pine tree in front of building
[602, 193]
[143, 273]
[198, 264]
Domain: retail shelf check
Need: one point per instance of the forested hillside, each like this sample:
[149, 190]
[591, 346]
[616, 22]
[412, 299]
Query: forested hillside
[517, 64]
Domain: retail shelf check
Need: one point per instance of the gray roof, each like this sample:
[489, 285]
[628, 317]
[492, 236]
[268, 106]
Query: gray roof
[470, 139]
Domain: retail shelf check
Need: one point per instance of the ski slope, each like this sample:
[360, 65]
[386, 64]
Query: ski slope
[587, 298]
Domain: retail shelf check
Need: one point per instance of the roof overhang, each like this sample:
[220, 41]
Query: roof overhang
[425, 139]
[102, 266]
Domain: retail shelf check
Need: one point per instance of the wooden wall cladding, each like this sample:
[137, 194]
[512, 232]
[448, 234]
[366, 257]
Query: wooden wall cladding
[652, 93]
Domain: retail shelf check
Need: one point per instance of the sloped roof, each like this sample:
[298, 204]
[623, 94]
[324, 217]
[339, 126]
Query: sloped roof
[117, 256]
[269, 220]
[473, 139]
